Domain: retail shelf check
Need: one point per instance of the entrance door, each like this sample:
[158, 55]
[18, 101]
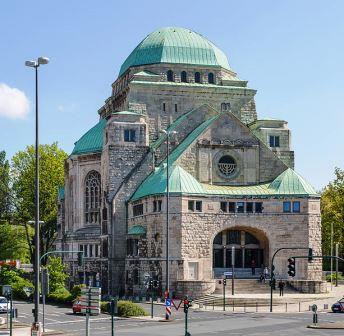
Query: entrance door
[253, 254]
[237, 258]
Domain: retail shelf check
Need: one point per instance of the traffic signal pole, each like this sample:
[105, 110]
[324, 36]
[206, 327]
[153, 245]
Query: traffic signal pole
[272, 275]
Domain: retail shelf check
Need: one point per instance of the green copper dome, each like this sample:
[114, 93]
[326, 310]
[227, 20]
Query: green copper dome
[175, 45]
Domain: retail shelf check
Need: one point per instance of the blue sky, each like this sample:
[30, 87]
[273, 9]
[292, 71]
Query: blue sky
[290, 51]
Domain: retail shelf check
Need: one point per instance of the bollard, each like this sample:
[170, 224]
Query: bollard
[286, 307]
[299, 306]
[244, 307]
[233, 305]
[256, 307]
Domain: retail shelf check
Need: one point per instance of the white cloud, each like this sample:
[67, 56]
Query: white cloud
[13, 103]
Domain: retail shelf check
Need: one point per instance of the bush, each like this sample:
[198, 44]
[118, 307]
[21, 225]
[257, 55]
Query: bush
[60, 296]
[125, 309]
[76, 291]
[328, 277]
[11, 276]
[128, 308]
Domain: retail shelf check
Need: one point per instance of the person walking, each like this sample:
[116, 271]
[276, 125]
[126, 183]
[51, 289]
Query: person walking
[266, 273]
[253, 266]
[281, 286]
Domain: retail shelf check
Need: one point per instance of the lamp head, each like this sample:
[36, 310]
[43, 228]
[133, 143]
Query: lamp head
[31, 64]
[43, 60]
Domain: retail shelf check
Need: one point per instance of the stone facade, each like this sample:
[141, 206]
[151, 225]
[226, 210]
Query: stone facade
[124, 238]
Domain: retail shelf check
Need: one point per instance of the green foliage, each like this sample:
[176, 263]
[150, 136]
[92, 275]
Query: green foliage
[332, 211]
[328, 277]
[128, 308]
[76, 291]
[11, 276]
[13, 243]
[57, 274]
[5, 191]
[125, 309]
[51, 171]
[60, 296]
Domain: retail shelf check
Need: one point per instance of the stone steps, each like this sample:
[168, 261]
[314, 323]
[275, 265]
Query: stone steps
[247, 286]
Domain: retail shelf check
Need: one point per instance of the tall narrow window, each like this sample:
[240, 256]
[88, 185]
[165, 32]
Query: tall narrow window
[92, 198]
[129, 135]
[175, 108]
[183, 77]
[197, 77]
[211, 78]
[170, 76]
[164, 107]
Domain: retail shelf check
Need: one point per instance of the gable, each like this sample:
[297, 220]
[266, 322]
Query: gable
[227, 136]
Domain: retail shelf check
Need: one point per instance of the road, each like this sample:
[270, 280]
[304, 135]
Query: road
[201, 323]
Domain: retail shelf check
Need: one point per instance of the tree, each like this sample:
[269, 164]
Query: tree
[13, 242]
[332, 211]
[5, 190]
[51, 171]
[57, 273]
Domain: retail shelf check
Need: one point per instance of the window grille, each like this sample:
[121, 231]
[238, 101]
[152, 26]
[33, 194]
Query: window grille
[92, 198]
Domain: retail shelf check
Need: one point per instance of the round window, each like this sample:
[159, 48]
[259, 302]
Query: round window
[227, 165]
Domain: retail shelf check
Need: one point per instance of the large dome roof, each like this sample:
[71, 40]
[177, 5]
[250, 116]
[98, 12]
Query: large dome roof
[175, 45]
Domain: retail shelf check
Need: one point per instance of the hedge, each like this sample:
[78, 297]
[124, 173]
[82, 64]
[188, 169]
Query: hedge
[125, 309]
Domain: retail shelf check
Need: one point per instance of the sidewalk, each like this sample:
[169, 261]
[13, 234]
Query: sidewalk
[296, 302]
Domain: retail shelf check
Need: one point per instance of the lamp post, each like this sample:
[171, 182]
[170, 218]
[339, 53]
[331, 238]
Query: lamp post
[35, 65]
[168, 133]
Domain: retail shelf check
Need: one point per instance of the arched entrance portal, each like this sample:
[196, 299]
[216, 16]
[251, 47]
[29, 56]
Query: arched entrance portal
[250, 245]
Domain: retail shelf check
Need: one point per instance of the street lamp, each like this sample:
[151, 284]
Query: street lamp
[168, 133]
[35, 65]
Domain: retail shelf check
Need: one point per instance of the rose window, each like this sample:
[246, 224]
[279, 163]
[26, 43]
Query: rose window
[227, 165]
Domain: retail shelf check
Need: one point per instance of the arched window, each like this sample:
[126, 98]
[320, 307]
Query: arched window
[92, 198]
[197, 77]
[211, 78]
[183, 77]
[170, 76]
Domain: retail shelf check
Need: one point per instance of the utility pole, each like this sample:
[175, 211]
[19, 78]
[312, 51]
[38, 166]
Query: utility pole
[331, 255]
[337, 255]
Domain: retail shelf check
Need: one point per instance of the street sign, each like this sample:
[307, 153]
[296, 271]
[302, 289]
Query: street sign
[28, 291]
[227, 274]
[168, 302]
[90, 300]
[6, 290]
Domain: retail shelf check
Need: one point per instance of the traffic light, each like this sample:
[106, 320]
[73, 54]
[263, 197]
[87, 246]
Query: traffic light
[291, 267]
[151, 283]
[80, 258]
[155, 283]
[310, 254]
[224, 282]
[273, 283]
[186, 305]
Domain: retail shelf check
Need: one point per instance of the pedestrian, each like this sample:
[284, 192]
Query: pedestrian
[253, 266]
[281, 286]
[261, 277]
[266, 273]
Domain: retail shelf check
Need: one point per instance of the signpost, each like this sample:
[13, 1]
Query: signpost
[7, 292]
[233, 262]
[90, 304]
[113, 309]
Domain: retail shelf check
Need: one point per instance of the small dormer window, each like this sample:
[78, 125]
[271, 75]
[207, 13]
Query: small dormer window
[274, 141]
[129, 135]
[197, 77]
[170, 76]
